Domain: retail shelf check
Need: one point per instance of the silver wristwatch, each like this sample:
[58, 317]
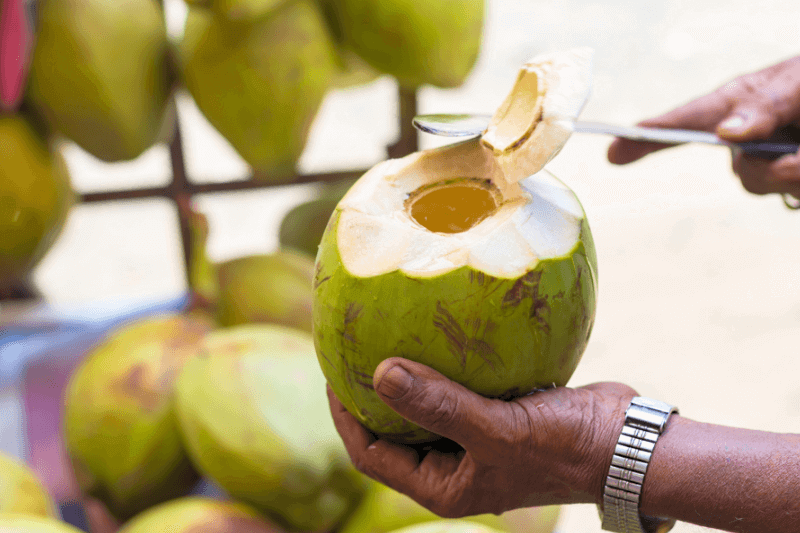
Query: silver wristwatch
[644, 421]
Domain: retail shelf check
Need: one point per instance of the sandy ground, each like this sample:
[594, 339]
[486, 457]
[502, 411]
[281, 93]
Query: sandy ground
[699, 281]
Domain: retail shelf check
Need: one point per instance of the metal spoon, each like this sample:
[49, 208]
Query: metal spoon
[469, 125]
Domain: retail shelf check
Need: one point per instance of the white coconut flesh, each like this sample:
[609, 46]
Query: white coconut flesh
[485, 203]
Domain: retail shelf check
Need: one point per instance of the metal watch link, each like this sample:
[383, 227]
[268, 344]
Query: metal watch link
[645, 419]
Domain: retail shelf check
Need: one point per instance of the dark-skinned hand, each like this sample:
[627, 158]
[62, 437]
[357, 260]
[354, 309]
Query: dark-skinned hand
[550, 447]
[751, 107]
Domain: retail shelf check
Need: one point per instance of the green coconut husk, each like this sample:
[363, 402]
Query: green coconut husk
[255, 419]
[35, 197]
[21, 492]
[120, 428]
[191, 514]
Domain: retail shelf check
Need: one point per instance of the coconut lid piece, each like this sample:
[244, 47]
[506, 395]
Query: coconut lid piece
[486, 203]
[535, 120]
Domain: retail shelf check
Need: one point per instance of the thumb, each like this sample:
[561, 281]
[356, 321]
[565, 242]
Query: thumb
[427, 398]
[745, 124]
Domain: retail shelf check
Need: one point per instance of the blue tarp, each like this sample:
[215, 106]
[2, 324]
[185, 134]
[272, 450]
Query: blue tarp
[52, 328]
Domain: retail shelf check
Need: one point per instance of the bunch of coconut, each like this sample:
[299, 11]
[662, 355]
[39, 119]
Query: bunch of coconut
[435, 42]
[113, 108]
[25, 505]
[169, 400]
[21, 491]
[254, 417]
[267, 288]
[119, 424]
[258, 71]
[384, 510]
[197, 513]
[471, 258]
[35, 196]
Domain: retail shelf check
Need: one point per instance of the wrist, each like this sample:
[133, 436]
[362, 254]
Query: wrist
[662, 469]
[644, 423]
[606, 434]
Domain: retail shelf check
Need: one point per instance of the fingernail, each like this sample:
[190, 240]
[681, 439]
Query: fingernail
[733, 123]
[395, 383]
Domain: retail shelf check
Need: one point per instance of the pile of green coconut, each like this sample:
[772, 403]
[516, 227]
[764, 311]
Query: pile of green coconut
[258, 70]
[470, 258]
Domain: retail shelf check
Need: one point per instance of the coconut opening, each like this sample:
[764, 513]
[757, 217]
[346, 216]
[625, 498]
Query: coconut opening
[453, 206]
[519, 114]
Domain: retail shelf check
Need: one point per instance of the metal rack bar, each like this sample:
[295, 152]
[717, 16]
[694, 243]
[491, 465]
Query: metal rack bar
[181, 189]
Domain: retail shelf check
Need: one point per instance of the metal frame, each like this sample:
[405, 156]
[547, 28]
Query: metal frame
[181, 189]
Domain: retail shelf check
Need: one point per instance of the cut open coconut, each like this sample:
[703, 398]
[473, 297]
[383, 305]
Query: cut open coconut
[469, 258]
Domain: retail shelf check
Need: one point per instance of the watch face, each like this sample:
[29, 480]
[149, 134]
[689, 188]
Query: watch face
[651, 404]
[644, 420]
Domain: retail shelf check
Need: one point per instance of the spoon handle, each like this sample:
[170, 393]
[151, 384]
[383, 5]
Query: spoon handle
[785, 140]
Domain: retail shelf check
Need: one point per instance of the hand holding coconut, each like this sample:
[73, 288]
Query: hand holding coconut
[759, 105]
[555, 447]
[454, 295]
[542, 449]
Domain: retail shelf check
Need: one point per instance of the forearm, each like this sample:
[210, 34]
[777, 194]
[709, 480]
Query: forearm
[725, 478]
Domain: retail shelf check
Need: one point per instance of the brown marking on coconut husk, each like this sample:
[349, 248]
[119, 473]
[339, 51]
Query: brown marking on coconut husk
[486, 282]
[225, 522]
[326, 358]
[151, 385]
[346, 335]
[583, 321]
[352, 313]
[459, 343]
[347, 332]
[539, 309]
[179, 348]
[485, 351]
[527, 287]
[318, 282]
[479, 277]
[136, 385]
[363, 379]
[444, 321]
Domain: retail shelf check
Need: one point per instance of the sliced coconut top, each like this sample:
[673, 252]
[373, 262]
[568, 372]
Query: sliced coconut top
[501, 231]
[535, 120]
[484, 203]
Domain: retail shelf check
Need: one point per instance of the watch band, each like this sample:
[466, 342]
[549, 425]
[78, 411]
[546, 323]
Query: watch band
[645, 419]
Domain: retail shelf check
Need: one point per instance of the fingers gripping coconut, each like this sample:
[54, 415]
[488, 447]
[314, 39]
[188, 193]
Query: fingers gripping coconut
[468, 258]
